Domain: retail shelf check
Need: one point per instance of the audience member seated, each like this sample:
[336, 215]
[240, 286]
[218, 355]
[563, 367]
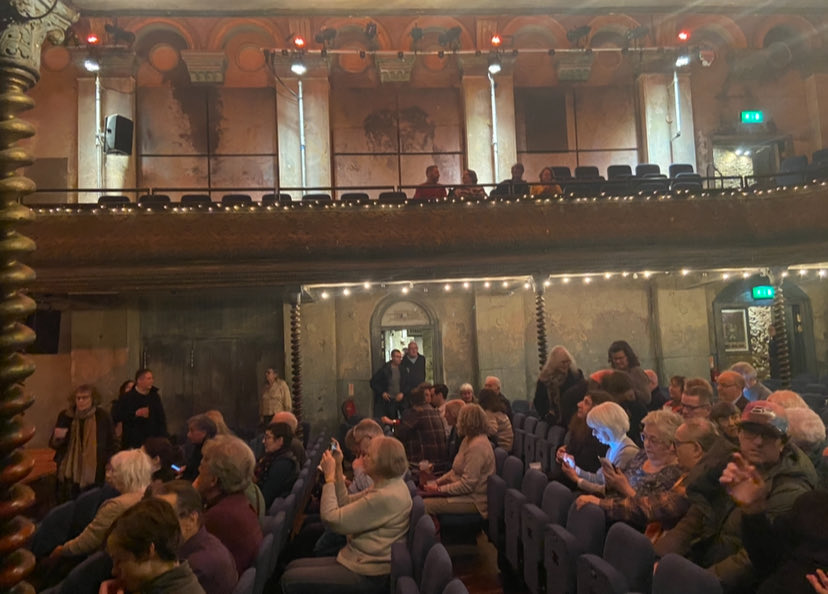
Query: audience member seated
[467, 393]
[658, 398]
[166, 459]
[226, 471]
[661, 510]
[499, 427]
[788, 399]
[439, 394]
[514, 186]
[469, 189]
[655, 468]
[579, 442]
[553, 401]
[621, 387]
[453, 440]
[676, 388]
[609, 423]
[218, 419]
[144, 546]
[430, 189]
[492, 382]
[754, 389]
[547, 186]
[807, 431]
[696, 401]
[210, 560]
[83, 440]
[726, 417]
[421, 432]
[622, 358]
[730, 386]
[129, 472]
[789, 551]
[710, 532]
[373, 520]
[296, 445]
[462, 490]
[200, 428]
[277, 469]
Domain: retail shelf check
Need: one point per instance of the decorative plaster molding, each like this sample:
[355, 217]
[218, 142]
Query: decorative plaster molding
[205, 67]
[394, 68]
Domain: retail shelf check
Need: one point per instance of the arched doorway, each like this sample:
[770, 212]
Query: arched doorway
[741, 324]
[395, 323]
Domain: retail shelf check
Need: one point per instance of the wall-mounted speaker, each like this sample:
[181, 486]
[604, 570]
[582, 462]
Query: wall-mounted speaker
[118, 136]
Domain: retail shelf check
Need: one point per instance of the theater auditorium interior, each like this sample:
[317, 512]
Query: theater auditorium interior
[210, 191]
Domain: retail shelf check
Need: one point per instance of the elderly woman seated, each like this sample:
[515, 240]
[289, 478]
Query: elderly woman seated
[277, 469]
[463, 488]
[130, 473]
[609, 423]
[500, 428]
[373, 519]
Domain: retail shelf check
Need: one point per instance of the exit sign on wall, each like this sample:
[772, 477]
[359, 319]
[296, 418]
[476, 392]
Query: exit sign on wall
[753, 117]
[764, 292]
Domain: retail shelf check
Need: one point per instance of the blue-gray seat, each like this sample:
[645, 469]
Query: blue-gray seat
[677, 575]
[626, 566]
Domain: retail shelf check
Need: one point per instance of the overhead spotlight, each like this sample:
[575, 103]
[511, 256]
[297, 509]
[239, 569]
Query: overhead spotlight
[91, 65]
[682, 61]
[495, 65]
[297, 67]
[298, 41]
[683, 35]
[323, 52]
[325, 36]
[497, 40]
[578, 36]
[738, 152]
[450, 38]
[401, 55]
[371, 30]
[416, 33]
[119, 35]
[92, 39]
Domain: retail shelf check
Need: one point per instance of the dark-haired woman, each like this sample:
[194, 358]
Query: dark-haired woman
[277, 470]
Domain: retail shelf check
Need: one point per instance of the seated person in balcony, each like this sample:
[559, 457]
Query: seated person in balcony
[462, 490]
[514, 186]
[548, 186]
[609, 423]
[277, 469]
[373, 520]
[499, 428]
[430, 189]
[663, 509]
[469, 187]
[422, 433]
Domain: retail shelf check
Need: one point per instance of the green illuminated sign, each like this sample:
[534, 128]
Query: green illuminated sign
[764, 292]
[753, 117]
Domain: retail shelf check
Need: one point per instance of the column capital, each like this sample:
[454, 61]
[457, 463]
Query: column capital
[27, 24]
[205, 67]
[478, 64]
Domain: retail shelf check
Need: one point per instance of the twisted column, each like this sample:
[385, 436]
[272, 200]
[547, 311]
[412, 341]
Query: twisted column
[779, 323]
[540, 321]
[296, 353]
[25, 24]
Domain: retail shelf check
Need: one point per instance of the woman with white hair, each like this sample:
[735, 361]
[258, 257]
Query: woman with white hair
[609, 423]
[467, 393]
[807, 431]
[130, 473]
[560, 373]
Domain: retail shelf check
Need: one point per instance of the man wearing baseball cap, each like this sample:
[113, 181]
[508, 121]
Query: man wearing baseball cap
[710, 534]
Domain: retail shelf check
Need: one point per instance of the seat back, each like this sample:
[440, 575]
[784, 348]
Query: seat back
[560, 550]
[316, 198]
[631, 554]
[236, 200]
[518, 418]
[677, 575]
[425, 537]
[354, 197]
[281, 199]
[561, 173]
[496, 487]
[437, 571]
[86, 577]
[196, 200]
[793, 171]
[455, 586]
[587, 172]
[246, 582]
[154, 200]
[113, 200]
[531, 492]
[531, 440]
[417, 512]
[392, 198]
[521, 406]
[86, 506]
[643, 169]
[500, 457]
[588, 526]
[616, 172]
[263, 564]
[513, 472]
[820, 157]
[676, 168]
[596, 576]
[556, 501]
[53, 530]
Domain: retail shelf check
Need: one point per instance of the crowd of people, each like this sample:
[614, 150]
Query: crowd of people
[712, 474]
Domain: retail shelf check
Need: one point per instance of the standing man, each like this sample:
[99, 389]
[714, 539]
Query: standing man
[387, 386]
[275, 396]
[730, 385]
[413, 369]
[430, 189]
[140, 412]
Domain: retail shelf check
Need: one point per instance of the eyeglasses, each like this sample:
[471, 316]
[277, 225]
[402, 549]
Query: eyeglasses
[752, 434]
[652, 439]
[693, 406]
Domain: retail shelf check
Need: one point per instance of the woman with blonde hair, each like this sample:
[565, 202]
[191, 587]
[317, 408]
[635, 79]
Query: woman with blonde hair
[462, 489]
[83, 440]
[561, 385]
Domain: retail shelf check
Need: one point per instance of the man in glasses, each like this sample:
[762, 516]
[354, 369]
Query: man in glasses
[696, 403]
[730, 385]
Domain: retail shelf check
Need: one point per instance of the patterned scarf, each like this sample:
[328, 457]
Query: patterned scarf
[80, 464]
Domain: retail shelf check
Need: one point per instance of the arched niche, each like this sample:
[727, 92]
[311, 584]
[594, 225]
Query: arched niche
[741, 326]
[398, 320]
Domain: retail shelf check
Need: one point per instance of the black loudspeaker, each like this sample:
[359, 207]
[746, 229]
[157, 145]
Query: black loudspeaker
[118, 138]
[46, 324]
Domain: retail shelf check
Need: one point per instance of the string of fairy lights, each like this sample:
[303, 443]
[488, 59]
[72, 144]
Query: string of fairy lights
[529, 283]
[258, 207]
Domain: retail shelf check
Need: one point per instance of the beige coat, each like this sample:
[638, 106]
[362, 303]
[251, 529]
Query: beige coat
[92, 537]
[472, 467]
[501, 427]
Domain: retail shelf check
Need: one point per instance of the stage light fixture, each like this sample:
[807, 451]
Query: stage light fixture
[416, 33]
[682, 61]
[683, 35]
[371, 30]
[450, 38]
[297, 67]
[91, 65]
[92, 39]
[578, 36]
[497, 40]
[325, 36]
[495, 65]
[298, 42]
[118, 35]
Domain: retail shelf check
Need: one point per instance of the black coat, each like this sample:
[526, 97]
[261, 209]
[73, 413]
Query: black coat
[413, 374]
[379, 384]
[138, 429]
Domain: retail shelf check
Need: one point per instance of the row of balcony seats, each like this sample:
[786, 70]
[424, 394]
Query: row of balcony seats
[68, 519]
[204, 200]
[796, 170]
[555, 547]
[621, 181]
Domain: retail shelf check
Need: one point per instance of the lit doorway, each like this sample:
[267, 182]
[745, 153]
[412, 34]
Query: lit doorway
[395, 324]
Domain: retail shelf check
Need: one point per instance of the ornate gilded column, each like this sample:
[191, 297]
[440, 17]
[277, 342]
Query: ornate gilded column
[24, 25]
[540, 320]
[296, 352]
[779, 322]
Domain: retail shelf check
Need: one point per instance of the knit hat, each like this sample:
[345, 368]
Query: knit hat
[767, 416]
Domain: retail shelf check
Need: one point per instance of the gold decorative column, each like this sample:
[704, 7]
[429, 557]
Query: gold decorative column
[24, 25]
[540, 321]
[296, 353]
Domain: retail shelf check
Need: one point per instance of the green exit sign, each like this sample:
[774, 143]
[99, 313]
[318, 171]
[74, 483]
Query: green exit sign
[764, 292]
[753, 117]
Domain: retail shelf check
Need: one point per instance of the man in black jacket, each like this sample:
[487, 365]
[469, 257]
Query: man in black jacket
[140, 412]
[387, 386]
[413, 369]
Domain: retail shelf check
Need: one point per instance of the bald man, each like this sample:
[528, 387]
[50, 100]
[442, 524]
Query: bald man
[493, 383]
[730, 385]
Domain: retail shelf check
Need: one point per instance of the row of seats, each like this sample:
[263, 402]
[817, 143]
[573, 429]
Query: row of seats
[796, 170]
[271, 199]
[555, 547]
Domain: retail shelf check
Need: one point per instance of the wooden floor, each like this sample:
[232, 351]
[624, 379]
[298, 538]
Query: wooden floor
[476, 565]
